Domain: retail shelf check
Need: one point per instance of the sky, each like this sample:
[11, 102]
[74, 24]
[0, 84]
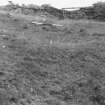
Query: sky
[55, 3]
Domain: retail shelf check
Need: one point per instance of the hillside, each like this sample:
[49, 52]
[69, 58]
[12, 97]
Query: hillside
[51, 62]
[95, 12]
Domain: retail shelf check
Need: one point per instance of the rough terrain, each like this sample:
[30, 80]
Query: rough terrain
[51, 65]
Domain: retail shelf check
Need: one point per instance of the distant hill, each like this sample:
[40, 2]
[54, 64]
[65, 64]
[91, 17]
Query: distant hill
[33, 10]
[95, 12]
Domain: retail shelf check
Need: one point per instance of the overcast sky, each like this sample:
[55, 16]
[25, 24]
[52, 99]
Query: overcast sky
[55, 3]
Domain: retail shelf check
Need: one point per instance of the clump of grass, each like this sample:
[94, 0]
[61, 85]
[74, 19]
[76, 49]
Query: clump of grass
[83, 32]
[25, 26]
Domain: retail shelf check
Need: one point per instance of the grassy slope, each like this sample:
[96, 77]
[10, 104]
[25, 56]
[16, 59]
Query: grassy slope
[70, 71]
